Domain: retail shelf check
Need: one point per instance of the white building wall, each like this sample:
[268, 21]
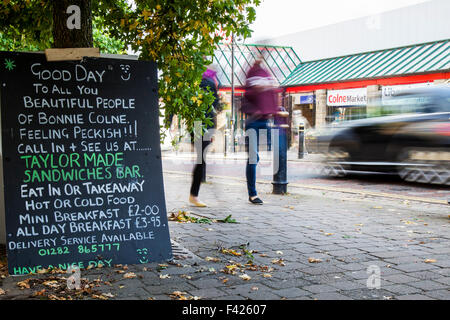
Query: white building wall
[424, 22]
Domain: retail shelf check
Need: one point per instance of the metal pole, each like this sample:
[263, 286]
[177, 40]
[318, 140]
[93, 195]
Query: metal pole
[280, 176]
[301, 141]
[233, 115]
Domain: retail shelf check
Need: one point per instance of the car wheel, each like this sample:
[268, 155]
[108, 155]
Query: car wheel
[423, 166]
[332, 165]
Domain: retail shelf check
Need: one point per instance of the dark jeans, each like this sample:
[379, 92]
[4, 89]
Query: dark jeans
[199, 170]
[252, 143]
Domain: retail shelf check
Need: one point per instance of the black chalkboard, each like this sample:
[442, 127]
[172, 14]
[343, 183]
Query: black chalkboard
[82, 165]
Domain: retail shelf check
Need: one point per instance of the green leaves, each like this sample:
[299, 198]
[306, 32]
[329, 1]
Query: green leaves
[228, 220]
[180, 35]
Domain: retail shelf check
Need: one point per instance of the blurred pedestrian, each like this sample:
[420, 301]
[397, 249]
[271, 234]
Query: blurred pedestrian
[260, 102]
[209, 81]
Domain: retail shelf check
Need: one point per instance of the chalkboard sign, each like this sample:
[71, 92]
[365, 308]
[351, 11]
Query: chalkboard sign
[82, 163]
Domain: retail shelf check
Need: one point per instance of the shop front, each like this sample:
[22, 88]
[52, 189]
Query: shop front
[302, 114]
[344, 105]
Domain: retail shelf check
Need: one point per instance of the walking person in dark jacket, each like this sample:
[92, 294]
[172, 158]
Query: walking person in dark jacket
[209, 81]
[260, 102]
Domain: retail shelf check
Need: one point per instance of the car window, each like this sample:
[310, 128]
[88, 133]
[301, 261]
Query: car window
[404, 105]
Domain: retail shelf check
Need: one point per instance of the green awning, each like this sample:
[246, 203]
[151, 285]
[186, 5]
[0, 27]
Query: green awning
[281, 62]
[414, 59]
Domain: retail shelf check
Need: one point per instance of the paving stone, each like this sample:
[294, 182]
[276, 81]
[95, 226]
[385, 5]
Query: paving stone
[445, 281]
[207, 293]
[320, 288]
[262, 295]
[401, 289]
[368, 294]
[400, 278]
[291, 292]
[439, 294]
[346, 254]
[348, 285]
[414, 297]
[330, 296]
[428, 285]
[426, 275]
[412, 267]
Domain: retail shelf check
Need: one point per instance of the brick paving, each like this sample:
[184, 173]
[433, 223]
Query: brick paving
[302, 246]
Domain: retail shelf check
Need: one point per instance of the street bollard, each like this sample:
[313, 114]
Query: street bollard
[301, 141]
[280, 174]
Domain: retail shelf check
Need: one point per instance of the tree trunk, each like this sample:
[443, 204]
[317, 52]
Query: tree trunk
[64, 37]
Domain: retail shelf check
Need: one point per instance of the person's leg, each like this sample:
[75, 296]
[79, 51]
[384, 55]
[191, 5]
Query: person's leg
[197, 176]
[196, 179]
[252, 133]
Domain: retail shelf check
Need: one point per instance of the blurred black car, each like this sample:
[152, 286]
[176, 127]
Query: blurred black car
[409, 135]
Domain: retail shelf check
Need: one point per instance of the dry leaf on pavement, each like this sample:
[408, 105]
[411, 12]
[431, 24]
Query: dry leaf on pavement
[314, 260]
[230, 251]
[51, 284]
[213, 259]
[129, 275]
[280, 262]
[245, 277]
[24, 284]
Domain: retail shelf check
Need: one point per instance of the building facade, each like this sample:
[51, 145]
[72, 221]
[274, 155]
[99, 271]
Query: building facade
[346, 88]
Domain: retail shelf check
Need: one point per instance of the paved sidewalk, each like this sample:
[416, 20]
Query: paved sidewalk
[292, 155]
[295, 246]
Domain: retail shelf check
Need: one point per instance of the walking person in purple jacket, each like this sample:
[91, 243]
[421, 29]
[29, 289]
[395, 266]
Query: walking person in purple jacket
[260, 102]
[209, 82]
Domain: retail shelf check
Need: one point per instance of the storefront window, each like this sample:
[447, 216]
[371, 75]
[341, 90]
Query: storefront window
[340, 114]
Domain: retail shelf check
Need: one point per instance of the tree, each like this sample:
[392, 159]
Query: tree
[180, 35]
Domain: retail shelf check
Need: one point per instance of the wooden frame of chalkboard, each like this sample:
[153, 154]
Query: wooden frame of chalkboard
[83, 180]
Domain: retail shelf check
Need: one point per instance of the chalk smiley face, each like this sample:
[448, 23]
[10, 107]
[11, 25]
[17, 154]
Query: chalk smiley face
[125, 76]
[143, 255]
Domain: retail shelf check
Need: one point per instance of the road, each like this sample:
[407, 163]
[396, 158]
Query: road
[305, 174]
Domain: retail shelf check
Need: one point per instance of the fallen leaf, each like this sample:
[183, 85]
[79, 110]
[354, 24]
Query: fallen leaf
[51, 284]
[2, 292]
[39, 293]
[279, 262]
[230, 251]
[24, 284]
[314, 260]
[430, 260]
[213, 259]
[54, 297]
[129, 275]
[164, 276]
[255, 288]
[267, 275]
[245, 277]
[178, 295]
